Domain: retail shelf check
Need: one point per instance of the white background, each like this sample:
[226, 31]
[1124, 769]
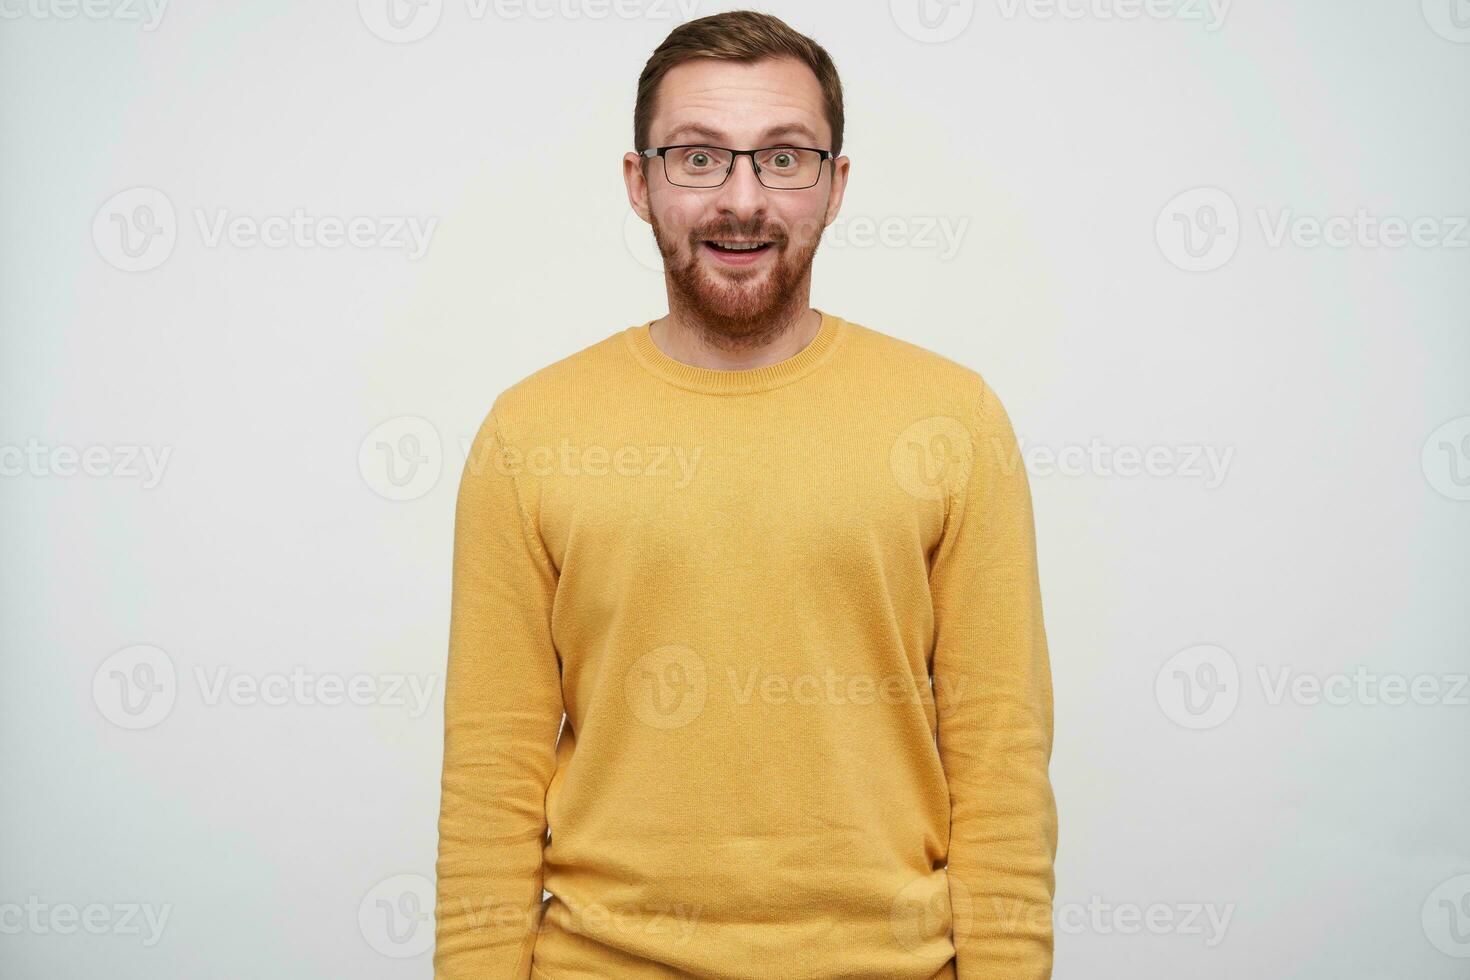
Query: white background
[288, 395]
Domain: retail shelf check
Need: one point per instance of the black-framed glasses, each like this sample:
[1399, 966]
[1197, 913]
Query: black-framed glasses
[787, 168]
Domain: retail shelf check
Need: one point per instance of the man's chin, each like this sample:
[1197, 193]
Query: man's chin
[734, 301]
[734, 311]
[717, 271]
[735, 315]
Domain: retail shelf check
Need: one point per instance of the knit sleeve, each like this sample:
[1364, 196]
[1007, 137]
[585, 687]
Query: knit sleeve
[502, 712]
[993, 692]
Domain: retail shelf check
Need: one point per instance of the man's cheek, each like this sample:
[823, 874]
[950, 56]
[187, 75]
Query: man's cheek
[803, 230]
[680, 218]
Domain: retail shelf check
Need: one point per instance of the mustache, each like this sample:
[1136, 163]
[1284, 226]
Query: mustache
[728, 231]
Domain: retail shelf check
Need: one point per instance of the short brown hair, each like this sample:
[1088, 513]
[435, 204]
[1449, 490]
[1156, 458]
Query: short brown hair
[736, 35]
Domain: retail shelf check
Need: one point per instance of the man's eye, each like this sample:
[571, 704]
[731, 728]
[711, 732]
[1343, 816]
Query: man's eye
[780, 159]
[697, 160]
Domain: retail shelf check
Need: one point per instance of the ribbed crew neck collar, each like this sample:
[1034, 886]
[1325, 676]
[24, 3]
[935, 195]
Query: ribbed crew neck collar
[716, 381]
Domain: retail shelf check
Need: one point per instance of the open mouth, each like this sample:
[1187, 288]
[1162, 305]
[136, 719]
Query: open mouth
[730, 247]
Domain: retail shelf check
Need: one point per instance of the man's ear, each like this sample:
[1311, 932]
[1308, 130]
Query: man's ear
[840, 167]
[634, 178]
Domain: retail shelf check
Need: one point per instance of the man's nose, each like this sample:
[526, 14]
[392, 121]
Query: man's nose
[742, 191]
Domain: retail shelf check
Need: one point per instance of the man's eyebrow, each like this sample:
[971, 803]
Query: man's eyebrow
[704, 132]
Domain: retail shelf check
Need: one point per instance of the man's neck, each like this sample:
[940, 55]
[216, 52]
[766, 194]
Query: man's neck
[693, 343]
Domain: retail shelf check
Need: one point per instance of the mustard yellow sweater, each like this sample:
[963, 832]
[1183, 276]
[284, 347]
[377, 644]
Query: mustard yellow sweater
[792, 616]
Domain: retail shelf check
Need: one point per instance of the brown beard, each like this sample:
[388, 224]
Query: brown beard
[734, 315]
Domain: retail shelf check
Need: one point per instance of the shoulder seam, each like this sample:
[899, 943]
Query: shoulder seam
[534, 540]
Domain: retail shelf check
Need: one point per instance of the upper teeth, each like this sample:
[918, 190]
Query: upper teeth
[740, 245]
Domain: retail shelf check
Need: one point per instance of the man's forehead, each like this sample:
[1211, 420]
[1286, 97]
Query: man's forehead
[703, 131]
[720, 101]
